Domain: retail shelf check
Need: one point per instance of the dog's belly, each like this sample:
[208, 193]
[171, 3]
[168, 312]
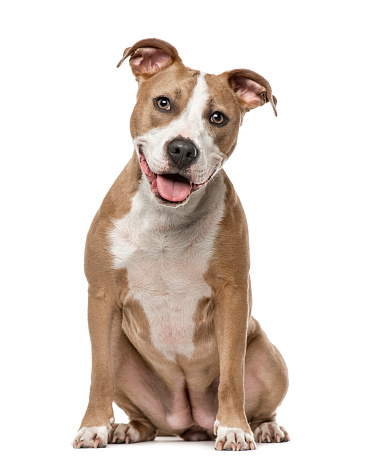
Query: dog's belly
[167, 395]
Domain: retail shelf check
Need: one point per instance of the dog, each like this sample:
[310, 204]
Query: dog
[167, 260]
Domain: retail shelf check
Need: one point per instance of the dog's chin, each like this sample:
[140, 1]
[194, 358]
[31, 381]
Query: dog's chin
[170, 190]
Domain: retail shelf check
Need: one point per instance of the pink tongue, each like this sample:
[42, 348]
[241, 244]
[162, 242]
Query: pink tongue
[173, 187]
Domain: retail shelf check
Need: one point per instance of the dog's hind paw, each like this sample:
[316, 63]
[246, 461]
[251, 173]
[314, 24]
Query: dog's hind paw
[270, 432]
[124, 433]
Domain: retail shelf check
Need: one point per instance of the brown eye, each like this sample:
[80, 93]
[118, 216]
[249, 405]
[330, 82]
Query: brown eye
[163, 103]
[217, 117]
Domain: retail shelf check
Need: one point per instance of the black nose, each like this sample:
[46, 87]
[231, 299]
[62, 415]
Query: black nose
[182, 151]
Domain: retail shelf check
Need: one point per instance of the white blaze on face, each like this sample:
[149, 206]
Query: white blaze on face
[190, 124]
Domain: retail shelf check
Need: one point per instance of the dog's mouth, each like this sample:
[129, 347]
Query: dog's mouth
[172, 188]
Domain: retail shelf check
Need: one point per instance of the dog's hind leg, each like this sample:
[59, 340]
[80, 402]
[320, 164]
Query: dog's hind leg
[139, 427]
[266, 384]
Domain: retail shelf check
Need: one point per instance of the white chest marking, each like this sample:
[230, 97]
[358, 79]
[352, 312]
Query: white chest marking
[166, 252]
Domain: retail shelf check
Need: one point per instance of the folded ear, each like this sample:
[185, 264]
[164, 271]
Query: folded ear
[150, 56]
[251, 89]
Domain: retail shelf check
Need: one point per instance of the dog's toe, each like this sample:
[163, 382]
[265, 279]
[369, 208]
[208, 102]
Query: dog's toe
[233, 439]
[271, 432]
[91, 437]
[124, 433]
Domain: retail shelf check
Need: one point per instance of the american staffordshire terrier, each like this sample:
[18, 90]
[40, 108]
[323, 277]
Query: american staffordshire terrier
[167, 261]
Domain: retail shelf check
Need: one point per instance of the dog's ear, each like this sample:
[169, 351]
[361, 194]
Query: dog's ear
[150, 56]
[251, 88]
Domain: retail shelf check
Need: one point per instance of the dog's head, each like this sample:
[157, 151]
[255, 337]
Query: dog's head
[185, 123]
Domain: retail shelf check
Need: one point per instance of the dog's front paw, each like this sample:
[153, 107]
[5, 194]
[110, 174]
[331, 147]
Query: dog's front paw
[92, 437]
[232, 439]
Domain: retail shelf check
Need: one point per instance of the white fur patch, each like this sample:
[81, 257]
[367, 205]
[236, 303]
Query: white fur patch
[91, 437]
[190, 124]
[232, 438]
[166, 252]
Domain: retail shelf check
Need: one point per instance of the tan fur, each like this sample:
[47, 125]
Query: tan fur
[234, 374]
[143, 117]
[228, 277]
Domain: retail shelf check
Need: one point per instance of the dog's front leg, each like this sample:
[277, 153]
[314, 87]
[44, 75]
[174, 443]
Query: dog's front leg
[98, 419]
[231, 315]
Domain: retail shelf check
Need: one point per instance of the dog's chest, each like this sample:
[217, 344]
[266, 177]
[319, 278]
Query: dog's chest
[165, 265]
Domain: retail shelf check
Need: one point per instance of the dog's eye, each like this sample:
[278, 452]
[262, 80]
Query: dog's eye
[163, 103]
[217, 118]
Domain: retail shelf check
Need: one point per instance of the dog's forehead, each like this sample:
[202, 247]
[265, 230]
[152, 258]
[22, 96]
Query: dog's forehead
[220, 93]
[179, 84]
[172, 81]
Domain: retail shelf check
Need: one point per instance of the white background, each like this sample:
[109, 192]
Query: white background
[303, 178]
